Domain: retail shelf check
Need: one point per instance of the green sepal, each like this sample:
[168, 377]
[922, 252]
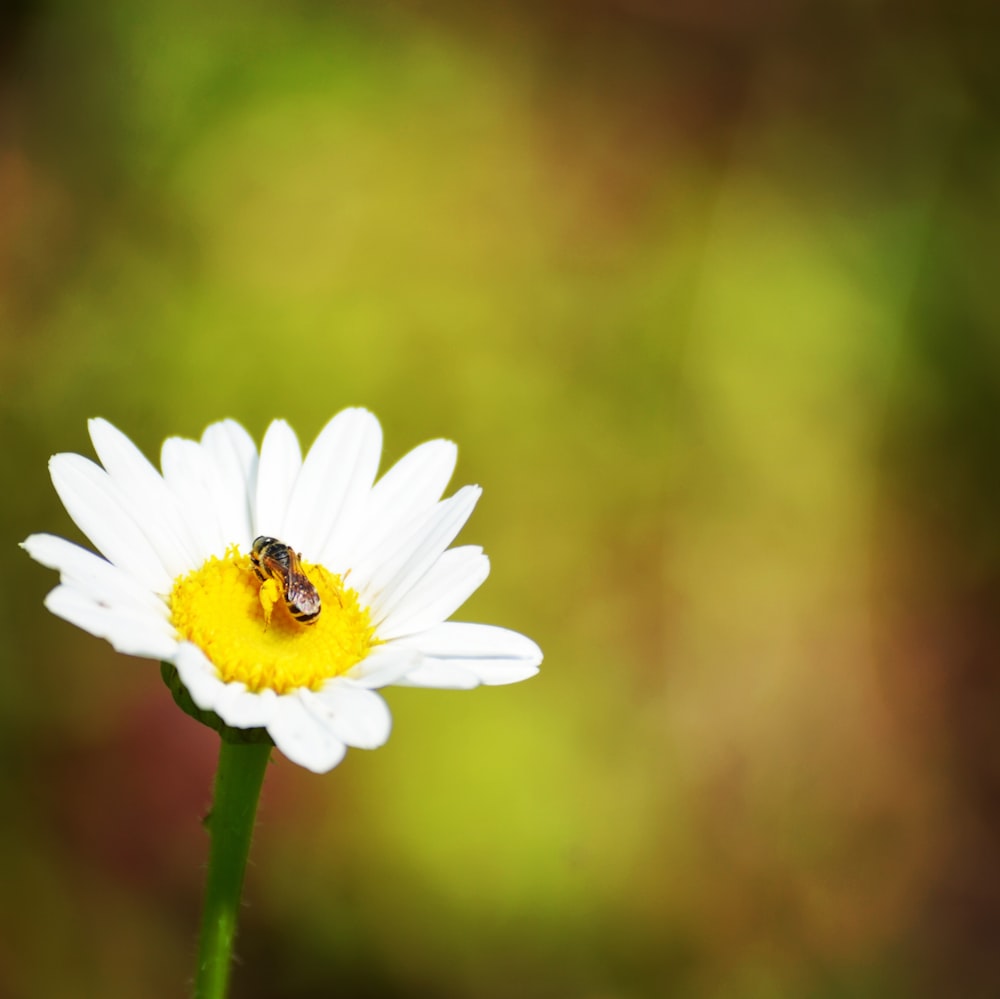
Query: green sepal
[183, 700]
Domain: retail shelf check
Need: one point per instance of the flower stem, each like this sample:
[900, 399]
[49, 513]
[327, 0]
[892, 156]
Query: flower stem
[237, 788]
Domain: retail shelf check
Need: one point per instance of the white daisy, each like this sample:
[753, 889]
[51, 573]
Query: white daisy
[176, 582]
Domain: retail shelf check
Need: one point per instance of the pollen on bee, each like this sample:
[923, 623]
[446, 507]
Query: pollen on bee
[269, 594]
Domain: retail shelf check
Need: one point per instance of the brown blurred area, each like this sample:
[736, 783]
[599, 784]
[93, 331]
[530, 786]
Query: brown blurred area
[707, 296]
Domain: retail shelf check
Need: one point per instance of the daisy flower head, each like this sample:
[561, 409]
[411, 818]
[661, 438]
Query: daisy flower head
[282, 591]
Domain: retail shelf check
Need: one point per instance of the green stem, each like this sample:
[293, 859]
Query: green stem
[237, 788]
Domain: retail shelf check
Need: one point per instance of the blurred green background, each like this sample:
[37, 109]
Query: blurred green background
[708, 296]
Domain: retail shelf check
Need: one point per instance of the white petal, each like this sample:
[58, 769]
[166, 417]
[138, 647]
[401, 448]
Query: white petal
[280, 461]
[304, 737]
[94, 502]
[232, 702]
[334, 484]
[134, 633]
[147, 497]
[411, 553]
[384, 665]
[199, 676]
[494, 672]
[187, 473]
[493, 655]
[311, 729]
[232, 483]
[242, 708]
[411, 487]
[356, 716]
[467, 640]
[456, 575]
[92, 575]
[440, 674]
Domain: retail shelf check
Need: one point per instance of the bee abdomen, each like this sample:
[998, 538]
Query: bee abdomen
[303, 616]
[302, 601]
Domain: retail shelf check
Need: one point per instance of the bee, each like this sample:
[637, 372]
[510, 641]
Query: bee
[273, 559]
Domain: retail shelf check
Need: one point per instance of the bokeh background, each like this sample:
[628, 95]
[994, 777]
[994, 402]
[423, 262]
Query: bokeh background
[708, 296]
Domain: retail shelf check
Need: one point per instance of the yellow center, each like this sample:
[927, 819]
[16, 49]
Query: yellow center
[246, 630]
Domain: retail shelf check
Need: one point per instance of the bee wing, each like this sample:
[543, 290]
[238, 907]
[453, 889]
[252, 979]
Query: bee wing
[302, 594]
